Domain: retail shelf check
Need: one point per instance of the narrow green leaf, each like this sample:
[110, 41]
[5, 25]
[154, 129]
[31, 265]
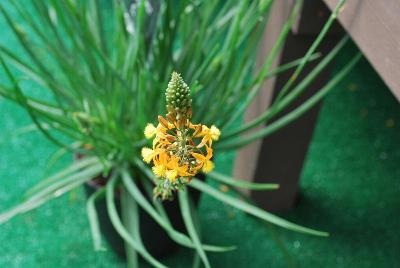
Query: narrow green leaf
[52, 191]
[241, 183]
[23, 100]
[93, 219]
[311, 50]
[285, 102]
[274, 234]
[188, 220]
[57, 155]
[130, 219]
[287, 66]
[178, 237]
[17, 132]
[196, 261]
[74, 167]
[119, 227]
[253, 210]
[293, 115]
[278, 45]
[57, 187]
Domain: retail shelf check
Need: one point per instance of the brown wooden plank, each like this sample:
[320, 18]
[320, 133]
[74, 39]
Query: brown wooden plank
[247, 158]
[279, 158]
[282, 154]
[375, 27]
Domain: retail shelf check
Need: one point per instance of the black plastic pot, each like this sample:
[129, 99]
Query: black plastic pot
[155, 239]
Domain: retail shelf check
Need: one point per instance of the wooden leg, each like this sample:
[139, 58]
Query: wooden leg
[281, 155]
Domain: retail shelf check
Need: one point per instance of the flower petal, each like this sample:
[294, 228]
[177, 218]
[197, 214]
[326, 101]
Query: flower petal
[150, 131]
[147, 154]
[208, 166]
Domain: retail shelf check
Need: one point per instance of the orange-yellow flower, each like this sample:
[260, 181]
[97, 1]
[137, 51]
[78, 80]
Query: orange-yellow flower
[159, 171]
[160, 164]
[180, 148]
[176, 170]
[150, 131]
[204, 162]
[208, 134]
[147, 154]
[214, 133]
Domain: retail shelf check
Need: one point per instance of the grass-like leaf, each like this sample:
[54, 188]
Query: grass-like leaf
[130, 219]
[188, 220]
[287, 100]
[311, 50]
[252, 210]
[241, 183]
[177, 236]
[73, 168]
[119, 227]
[255, 87]
[93, 219]
[52, 191]
[293, 115]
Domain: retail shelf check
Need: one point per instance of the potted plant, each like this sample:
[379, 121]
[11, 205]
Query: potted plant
[141, 135]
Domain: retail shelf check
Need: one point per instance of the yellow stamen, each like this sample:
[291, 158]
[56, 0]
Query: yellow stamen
[159, 170]
[214, 133]
[147, 154]
[150, 131]
[208, 166]
[171, 174]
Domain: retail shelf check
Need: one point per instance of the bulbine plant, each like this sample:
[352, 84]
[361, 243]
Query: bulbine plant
[101, 69]
[180, 148]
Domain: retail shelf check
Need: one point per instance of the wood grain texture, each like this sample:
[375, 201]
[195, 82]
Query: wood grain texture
[279, 158]
[375, 26]
[247, 158]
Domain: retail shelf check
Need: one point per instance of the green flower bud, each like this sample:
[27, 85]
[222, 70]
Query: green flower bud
[178, 97]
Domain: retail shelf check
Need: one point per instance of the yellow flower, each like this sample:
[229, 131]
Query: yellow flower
[161, 157]
[150, 131]
[159, 170]
[180, 149]
[214, 133]
[148, 154]
[171, 174]
[196, 127]
[160, 163]
[156, 143]
[205, 163]
[208, 166]
[208, 134]
[175, 169]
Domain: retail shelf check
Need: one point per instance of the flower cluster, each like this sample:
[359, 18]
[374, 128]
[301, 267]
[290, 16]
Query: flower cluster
[180, 148]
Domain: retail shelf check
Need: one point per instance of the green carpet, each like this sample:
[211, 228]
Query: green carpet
[350, 187]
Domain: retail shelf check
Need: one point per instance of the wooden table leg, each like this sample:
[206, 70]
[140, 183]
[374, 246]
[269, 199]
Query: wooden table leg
[281, 155]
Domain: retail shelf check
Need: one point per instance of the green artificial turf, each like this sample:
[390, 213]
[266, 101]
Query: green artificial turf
[350, 187]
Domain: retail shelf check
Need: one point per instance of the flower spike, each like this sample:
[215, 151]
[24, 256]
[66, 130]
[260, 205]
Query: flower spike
[181, 149]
